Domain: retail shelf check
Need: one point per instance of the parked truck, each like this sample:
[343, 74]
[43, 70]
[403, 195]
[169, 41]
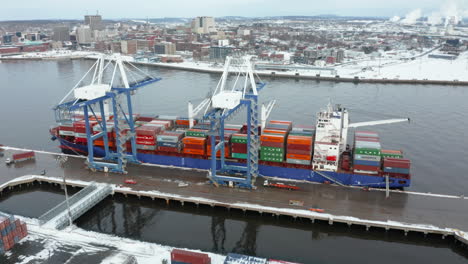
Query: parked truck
[19, 157]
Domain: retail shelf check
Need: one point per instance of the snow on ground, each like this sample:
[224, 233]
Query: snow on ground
[144, 252]
[423, 68]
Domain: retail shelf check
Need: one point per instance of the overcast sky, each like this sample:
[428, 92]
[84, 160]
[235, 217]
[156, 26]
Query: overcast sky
[75, 9]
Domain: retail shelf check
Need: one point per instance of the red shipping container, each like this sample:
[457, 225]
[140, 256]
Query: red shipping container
[368, 139]
[239, 148]
[366, 168]
[397, 163]
[299, 147]
[146, 142]
[190, 257]
[168, 149]
[272, 144]
[148, 130]
[299, 152]
[144, 118]
[194, 146]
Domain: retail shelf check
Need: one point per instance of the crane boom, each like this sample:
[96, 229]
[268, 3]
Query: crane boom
[379, 122]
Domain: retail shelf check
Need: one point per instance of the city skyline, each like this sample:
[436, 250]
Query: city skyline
[53, 9]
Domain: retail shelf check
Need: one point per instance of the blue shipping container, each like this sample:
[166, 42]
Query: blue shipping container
[367, 162]
[168, 144]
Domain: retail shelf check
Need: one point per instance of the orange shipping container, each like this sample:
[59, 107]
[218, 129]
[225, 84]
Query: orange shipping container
[100, 143]
[300, 140]
[194, 151]
[194, 140]
[280, 122]
[299, 157]
[272, 138]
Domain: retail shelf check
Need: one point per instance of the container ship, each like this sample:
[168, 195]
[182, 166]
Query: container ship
[317, 152]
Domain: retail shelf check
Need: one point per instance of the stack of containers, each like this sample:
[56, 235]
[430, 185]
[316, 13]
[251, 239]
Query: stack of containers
[146, 136]
[273, 139]
[141, 120]
[367, 151]
[171, 119]
[170, 141]
[386, 153]
[179, 256]
[227, 148]
[66, 129]
[232, 128]
[239, 146]
[11, 232]
[272, 147]
[194, 145]
[397, 167]
[166, 124]
[277, 125]
[79, 127]
[203, 125]
[299, 149]
[301, 130]
[110, 134]
[184, 122]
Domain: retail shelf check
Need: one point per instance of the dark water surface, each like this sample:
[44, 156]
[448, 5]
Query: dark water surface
[435, 141]
[222, 231]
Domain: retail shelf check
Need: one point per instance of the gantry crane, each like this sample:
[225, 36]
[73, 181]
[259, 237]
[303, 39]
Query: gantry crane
[100, 101]
[223, 104]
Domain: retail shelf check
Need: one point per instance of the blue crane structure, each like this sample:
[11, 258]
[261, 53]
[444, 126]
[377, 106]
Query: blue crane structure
[223, 104]
[101, 101]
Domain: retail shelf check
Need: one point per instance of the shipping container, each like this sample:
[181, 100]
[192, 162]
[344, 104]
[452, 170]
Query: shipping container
[397, 163]
[233, 258]
[386, 153]
[184, 256]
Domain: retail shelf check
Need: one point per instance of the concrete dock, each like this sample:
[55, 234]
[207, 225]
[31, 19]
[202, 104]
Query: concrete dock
[407, 211]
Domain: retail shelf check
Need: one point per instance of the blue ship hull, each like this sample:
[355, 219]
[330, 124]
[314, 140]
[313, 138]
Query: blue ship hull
[265, 170]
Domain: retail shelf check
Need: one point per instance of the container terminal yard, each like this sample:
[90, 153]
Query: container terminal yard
[269, 167]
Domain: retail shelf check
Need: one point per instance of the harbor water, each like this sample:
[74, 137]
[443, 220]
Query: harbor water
[434, 140]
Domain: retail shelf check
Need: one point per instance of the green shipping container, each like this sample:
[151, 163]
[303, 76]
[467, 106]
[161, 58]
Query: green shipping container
[239, 155]
[242, 140]
[271, 149]
[367, 151]
[271, 159]
[390, 155]
[195, 134]
[272, 154]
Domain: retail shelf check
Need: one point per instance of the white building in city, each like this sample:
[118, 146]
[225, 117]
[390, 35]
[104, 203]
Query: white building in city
[203, 25]
[83, 34]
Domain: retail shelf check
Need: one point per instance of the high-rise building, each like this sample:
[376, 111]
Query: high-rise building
[94, 22]
[203, 25]
[165, 48]
[129, 46]
[61, 33]
[218, 53]
[83, 35]
[340, 56]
